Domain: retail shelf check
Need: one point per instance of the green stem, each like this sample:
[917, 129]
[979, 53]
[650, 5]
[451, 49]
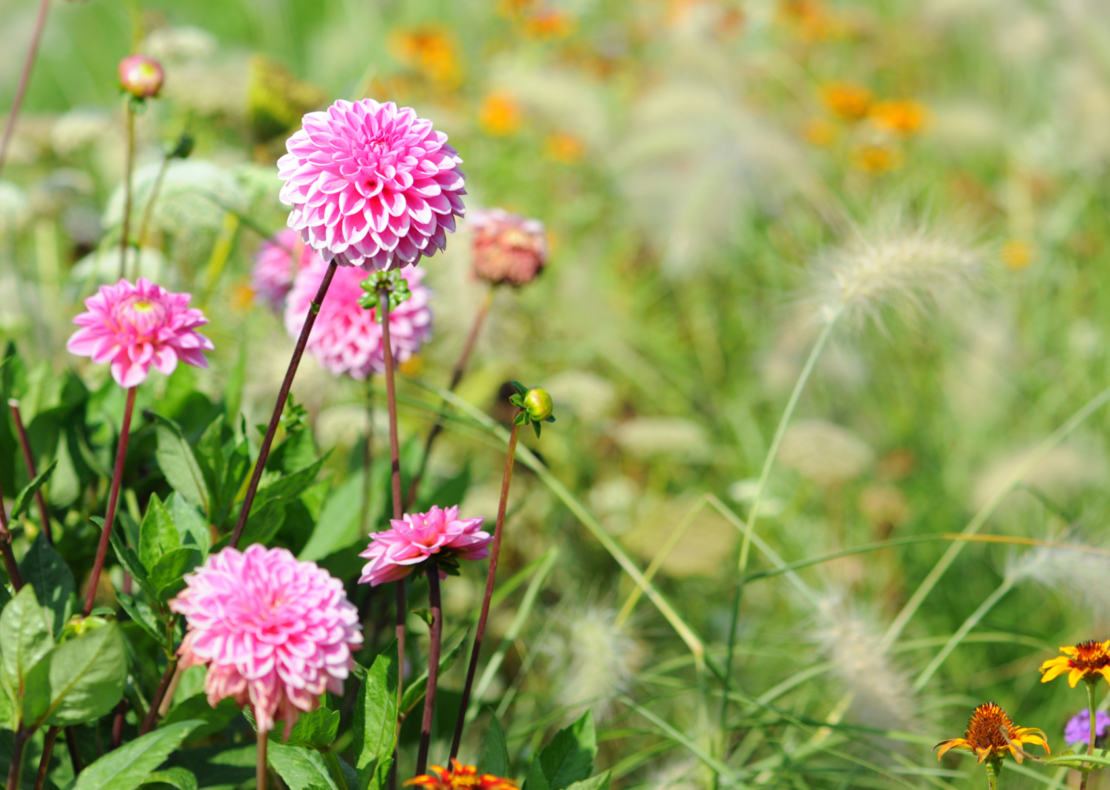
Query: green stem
[1091, 742]
[992, 775]
[336, 769]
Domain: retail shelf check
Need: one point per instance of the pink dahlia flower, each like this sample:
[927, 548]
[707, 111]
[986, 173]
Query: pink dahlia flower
[395, 553]
[508, 248]
[137, 326]
[371, 185]
[346, 337]
[276, 264]
[274, 633]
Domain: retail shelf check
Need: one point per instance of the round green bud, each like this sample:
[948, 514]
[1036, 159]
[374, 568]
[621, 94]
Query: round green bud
[538, 405]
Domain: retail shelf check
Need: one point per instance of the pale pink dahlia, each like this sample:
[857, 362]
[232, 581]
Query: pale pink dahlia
[346, 337]
[371, 185]
[276, 264]
[137, 326]
[508, 248]
[395, 553]
[274, 633]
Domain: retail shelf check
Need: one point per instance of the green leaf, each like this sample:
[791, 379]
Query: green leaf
[130, 562]
[209, 720]
[24, 640]
[130, 765]
[599, 782]
[78, 681]
[377, 776]
[375, 721]
[144, 616]
[181, 778]
[316, 729]
[1100, 757]
[301, 768]
[178, 464]
[27, 493]
[45, 570]
[569, 758]
[167, 573]
[497, 760]
[157, 534]
[415, 692]
[291, 485]
[338, 525]
[192, 526]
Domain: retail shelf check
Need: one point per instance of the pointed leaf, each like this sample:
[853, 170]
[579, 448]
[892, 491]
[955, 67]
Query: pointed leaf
[569, 758]
[599, 782]
[375, 722]
[45, 570]
[84, 679]
[24, 640]
[497, 760]
[130, 562]
[181, 778]
[167, 574]
[209, 720]
[301, 768]
[127, 767]
[192, 526]
[316, 729]
[144, 616]
[157, 534]
[179, 465]
[23, 498]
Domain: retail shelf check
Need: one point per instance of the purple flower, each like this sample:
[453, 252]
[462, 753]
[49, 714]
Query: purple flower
[1078, 728]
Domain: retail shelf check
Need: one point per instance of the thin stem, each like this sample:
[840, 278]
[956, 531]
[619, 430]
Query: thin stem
[148, 209]
[992, 776]
[432, 571]
[159, 695]
[113, 500]
[1091, 741]
[125, 228]
[10, 565]
[336, 769]
[753, 512]
[117, 724]
[260, 770]
[19, 740]
[279, 406]
[491, 576]
[44, 763]
[74, 751]
[29, 461]
[456, 377]
[24, 80]
[367, 461]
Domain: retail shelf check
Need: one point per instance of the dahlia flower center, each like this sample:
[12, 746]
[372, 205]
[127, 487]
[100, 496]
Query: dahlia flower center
[142, 315]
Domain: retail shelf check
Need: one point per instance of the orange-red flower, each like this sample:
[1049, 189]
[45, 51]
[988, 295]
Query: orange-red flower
[1085, 661]
[903, 118]
[990, 735]
[847, 101]
[461, 777]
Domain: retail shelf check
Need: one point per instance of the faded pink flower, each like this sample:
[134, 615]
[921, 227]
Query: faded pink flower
[137, 326]
[141, 76]
[274, 633]
[346, 337]
[507, 248]
[274, 267]
[395, 553]
[371, 185]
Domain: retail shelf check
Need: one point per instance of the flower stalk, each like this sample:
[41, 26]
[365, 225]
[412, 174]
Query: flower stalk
[24, 80]
[125, 228]
[279, 406]
[29, 461]
[260, 769]
[159, 695]
[1091, 681]
[113, 500]
[15, 771]
[10, 565]
[435, 637]
[44, 763]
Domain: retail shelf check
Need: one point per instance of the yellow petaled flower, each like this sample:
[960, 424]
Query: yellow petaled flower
[460, 777]
[847, 100]
[819, 131]
[1016, 254]
[990, 735]
[499, 115]
[1085, 661]
[564, 148]
[877, 158]
[903, 118]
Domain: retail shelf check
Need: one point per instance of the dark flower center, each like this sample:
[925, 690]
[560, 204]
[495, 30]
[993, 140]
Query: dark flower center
[1090, 656]
[984, 730]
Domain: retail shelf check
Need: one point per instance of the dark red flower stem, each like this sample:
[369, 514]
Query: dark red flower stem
[44, 763]
[10, 565]
[395, 465]
[456, 377]
[24, 80]
[74, 751]
[159, 694]
[117, 724]
[491, 576]
[113, 500]
[29, 461]
[19, 741]
[279, 407]
[260, 768]
[435, 638]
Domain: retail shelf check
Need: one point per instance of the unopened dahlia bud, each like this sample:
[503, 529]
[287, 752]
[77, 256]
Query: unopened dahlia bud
[508, 248]
[538, 404]
[141, 76]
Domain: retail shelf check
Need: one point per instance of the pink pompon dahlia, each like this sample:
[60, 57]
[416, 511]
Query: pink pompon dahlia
[137, 326]
[508, 248]
[395, 553]
[371, 185]
[275, 633]
[276, 264]
[347, 338]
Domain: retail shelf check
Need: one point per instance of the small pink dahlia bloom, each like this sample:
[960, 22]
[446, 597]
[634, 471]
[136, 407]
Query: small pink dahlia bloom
[276, 264]
[394, 553]
[371, 185]
[274, 633]
[346, 337]
[137, 326]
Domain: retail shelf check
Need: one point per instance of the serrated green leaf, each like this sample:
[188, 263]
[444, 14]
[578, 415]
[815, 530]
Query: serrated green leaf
[24, 640]
[179, 465]
[45, 570]
[27, 493]
[157, 534]
[418, 687]
[168, 572]
[496, 760]
[316, 729]
[375, 721]
[569, 758]
[78, 681]
[181, 778]
[129, 765]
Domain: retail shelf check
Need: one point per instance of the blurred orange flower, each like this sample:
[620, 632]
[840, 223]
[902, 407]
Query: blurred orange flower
[548, 23]
[1016, 254]
[904, 117]
[499, 115]
[565, 148]
[819, 131]
[876, 159]
[809, 19]
[430, 51]
[846, 100]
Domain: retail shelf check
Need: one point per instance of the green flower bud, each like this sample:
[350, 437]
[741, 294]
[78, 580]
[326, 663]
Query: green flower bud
[538, 405]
